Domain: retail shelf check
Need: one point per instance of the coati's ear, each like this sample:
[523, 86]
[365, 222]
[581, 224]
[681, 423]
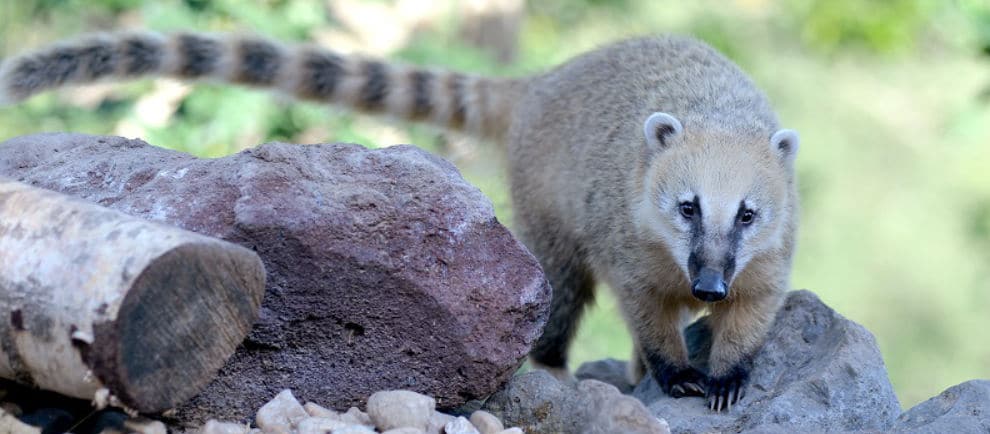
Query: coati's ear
[659, 129]
[785, 142]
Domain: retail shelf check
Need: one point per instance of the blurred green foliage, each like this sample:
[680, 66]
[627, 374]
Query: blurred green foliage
[887, 95]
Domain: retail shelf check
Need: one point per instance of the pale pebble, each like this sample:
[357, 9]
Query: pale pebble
[399, 409]
[460, 426]
[281, 414]
[486, 422]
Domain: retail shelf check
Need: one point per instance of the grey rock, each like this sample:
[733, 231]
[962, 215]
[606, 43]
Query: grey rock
[539, 403]
[609, 371]
[817, 371]
[386, 269]
[609, 411]
[963, 408]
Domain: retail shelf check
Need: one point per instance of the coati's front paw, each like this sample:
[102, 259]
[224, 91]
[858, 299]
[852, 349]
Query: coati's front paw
[679, 382]
[725, 390]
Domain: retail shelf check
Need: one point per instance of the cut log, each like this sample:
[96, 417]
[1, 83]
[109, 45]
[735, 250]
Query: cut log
[91, 298]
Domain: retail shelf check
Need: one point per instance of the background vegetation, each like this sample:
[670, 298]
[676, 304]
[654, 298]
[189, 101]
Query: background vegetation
[891, 99]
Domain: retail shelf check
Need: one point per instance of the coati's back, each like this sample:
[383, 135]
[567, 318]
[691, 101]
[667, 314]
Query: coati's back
[576, 138]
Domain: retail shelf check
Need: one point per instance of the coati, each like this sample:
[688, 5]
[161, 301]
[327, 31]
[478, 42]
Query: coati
[653, 165]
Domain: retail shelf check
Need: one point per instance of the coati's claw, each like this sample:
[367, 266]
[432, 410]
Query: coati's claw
[726, 390]
[680, 382]
[695, 389]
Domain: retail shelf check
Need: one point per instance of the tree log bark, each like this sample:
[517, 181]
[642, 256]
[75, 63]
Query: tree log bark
[91, 298]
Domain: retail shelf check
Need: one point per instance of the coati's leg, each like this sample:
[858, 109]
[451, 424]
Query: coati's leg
[573, 287]
[738, 331]
[657, 328]
[636, 368]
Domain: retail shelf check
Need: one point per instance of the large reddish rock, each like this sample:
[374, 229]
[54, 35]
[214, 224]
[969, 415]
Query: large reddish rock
[386, 269]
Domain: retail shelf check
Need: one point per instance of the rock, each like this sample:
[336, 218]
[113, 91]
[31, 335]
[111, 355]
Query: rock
[11, 408]
[214, 426]
[404, 431]
[400, 409]
[10, 424]
[144, 426]
[817, 372]
[460, 425]
[609, 371]
[361, 246]
[355, 416]
[513, 430]
[353, 429]
[319, 425]
[537, 402]
[280, 414]
[609, 411]
[50, 420]
[486, 422]
[437, 422]
[963, 408]
[316, 410]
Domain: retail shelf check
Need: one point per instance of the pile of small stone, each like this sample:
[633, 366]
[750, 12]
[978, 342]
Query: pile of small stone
[389, 412]
[25, 410]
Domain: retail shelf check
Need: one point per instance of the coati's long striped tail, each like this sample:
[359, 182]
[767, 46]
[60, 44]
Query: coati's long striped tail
[478, 105]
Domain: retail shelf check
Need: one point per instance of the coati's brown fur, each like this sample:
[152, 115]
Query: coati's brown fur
[653, 165]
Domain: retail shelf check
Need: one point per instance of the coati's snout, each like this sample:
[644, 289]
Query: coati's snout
[710, 279]
[709, 285]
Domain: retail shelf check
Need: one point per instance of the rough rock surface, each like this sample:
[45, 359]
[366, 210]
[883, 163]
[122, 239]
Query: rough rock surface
[963, 408]
[386, 269]
[817, 372]
[539, 403]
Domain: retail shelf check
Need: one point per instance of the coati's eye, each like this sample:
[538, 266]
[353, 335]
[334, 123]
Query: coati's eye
[687, 209]
[747, 216]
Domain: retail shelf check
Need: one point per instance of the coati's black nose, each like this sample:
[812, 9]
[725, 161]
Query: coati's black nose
[709, 285]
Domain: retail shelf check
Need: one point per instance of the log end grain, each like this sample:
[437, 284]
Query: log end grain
[183, 318]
